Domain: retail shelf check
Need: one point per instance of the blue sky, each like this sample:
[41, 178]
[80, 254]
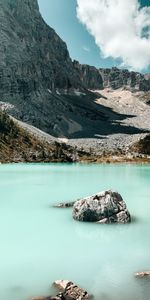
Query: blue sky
[61, 15]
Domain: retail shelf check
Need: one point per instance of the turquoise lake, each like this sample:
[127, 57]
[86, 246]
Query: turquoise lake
[39, 243]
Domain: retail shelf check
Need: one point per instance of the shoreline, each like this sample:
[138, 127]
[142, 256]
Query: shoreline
[87, 160]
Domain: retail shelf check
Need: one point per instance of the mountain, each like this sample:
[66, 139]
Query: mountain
[42, 86]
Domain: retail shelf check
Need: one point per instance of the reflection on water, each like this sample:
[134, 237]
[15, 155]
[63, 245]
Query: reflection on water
[40, 244]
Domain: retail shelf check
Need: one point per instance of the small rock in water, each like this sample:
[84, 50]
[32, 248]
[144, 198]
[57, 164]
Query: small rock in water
[103, 207]
[68, 291]
[73, 292]
[142, 274]
[64, 205]
[61, 284]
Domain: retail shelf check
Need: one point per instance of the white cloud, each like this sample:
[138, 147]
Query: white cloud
[85, 48]
[121, 29]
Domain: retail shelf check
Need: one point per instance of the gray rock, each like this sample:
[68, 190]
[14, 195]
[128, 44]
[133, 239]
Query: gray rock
[68, 291]
[57, 297]
[118, 78]
[64, 205]
[89, 76]
[103, 207]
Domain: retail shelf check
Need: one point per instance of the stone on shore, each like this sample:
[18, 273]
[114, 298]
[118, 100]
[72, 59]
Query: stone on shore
[103, 207]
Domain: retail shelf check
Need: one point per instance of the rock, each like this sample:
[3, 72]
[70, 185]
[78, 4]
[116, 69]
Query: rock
[73, 292]
[64, 205]
[68, 291]
[61, 284]
[143, 274]
[103, 207]
[47, 298]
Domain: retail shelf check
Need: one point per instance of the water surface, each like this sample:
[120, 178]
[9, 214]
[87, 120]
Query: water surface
[39, 244]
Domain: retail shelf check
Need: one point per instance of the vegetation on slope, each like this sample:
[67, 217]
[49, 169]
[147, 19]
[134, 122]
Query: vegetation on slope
[18, 145]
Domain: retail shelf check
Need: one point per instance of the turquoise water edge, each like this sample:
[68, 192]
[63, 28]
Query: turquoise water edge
[40, 244]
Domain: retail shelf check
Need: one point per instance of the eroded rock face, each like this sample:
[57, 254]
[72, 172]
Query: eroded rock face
[94, 78]
[118, 78]
[34, 63]
[103, 207]
[33, 56]
[89, 76]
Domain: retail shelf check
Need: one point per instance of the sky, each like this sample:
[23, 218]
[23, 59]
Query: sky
[103, 33]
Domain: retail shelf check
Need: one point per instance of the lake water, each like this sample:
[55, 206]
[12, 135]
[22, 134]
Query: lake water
[39, 244]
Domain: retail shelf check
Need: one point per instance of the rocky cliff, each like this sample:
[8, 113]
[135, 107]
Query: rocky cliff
[90, 77]
[93, 78]
[33, 57]
[34, 64]
[119, 78]
[39, 83]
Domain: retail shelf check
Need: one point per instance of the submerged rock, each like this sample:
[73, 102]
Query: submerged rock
[103, 207]
[64, 205]
[142, 274]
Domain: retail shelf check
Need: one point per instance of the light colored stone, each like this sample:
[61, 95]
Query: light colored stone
[61, 284]
[142, 274]
[103, 207]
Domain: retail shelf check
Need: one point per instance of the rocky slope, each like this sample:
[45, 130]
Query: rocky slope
[19, 143]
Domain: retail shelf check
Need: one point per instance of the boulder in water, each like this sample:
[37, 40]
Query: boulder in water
[68, 291]
[103, 207]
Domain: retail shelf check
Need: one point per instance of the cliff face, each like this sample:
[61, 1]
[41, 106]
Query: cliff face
[89, 76]
[93, 78]
[33, 57]
[118, 78]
